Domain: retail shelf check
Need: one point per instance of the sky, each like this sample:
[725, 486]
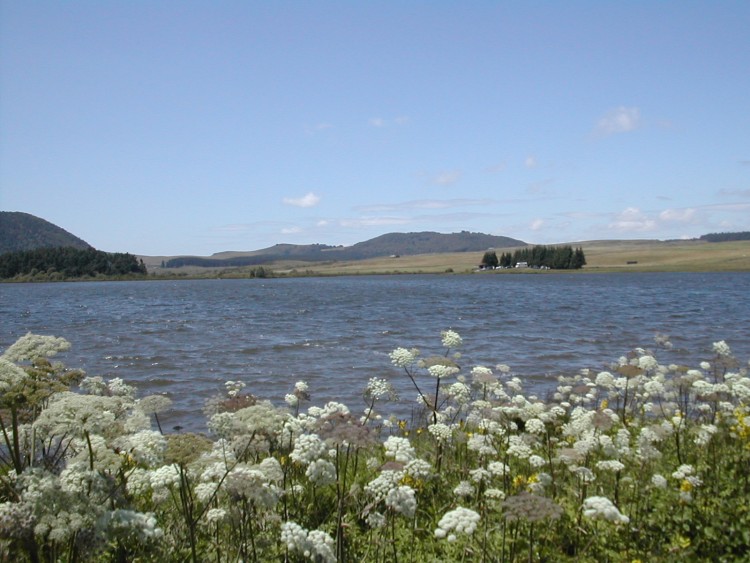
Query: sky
[193, 127]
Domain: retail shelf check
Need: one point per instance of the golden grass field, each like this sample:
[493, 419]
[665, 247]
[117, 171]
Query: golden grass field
[601, 256]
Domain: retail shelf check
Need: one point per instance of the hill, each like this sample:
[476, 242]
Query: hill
[392, 244]
[22, 231]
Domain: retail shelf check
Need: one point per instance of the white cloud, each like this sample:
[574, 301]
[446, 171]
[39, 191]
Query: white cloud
[447, 178]
[530, 162]
[374, 221]
[677, 215]
[632, 220]
[290, 230]
[381, 122]
[423, 204]
[536, 224]
[308, 200]
[321, 223]
[619, 120]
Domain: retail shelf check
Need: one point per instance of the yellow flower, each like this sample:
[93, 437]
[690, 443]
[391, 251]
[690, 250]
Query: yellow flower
[686, 486]
[604, 404]
[519, 481]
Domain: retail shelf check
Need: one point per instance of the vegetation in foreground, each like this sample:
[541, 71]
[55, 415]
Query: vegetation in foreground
[644, 462]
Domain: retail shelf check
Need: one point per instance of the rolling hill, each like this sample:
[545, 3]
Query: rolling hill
[401, 244]
[22, 231]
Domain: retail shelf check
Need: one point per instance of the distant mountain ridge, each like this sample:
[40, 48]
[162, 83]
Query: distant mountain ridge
[21, 231]
[401, 244]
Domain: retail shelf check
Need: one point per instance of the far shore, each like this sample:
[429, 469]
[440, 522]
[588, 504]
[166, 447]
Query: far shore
[601, 257]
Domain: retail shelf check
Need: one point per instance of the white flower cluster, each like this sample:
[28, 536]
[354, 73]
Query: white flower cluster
[404, 358]
[314, 545]
[33, 346]
[321, 472]
[307, 448]
[399, 449]
[402, 500]
[441, 371]
[451, 339]
[721, 348]
[379, 388]
[441, 431]
[459, 520]
[601, 508]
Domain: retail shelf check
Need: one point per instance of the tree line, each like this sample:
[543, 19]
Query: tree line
[67, 262]
[539, 256]
[725, 237]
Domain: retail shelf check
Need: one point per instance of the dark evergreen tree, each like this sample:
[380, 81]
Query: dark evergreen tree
[489, 260]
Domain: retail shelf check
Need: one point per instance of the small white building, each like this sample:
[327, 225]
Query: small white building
[522, 264]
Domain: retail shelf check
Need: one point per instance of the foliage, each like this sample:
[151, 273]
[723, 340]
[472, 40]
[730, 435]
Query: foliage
[489, 260]
[22, 231]
[642, 462]
[540, 256]
[66, 263]
[724, 237]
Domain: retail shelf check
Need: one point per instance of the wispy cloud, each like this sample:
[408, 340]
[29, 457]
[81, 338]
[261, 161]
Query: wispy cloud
[633, 220]
[382, 122]
[536, 224]
[530, 161]
[618, 120]
[374, 221]
[291, 230]
[308, 200]
[423, 204]
[735, 193]
[447, 178]
[677, 215]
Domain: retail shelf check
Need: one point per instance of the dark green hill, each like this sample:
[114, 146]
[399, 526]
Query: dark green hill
[22, 231]
[401, 244]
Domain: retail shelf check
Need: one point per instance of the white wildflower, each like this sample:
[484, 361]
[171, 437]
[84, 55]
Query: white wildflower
[399, 449]
[461, 520]
[601, 508]
[463, 489]
[451, 339]
[402, 500]
[321, 472]
[404, 358]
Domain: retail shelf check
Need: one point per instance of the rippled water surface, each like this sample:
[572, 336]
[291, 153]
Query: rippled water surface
[185, 338]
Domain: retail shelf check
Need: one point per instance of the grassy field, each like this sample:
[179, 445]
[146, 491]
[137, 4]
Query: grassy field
[601, 256]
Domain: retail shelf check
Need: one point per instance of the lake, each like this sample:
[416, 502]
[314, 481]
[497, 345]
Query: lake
[186, 338]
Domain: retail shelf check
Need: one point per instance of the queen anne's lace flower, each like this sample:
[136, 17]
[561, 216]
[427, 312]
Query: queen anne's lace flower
[315, 545]
[33, 346]
[399, 449]
[451, 339]
[404, 358]
[307, 448]
[402, 500]
[461, 520]
[321, 472]
[601, 508]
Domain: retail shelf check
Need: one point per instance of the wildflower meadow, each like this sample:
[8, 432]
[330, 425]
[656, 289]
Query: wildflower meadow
[641, 462]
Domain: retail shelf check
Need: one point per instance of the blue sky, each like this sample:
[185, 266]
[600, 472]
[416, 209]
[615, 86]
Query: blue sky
[164, 128]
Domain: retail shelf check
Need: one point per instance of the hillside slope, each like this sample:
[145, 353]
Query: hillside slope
[401, 244]
[22, 231]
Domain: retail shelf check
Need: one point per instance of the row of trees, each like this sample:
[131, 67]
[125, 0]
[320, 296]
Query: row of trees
[68, 262]
[540, 256]
[725, 237]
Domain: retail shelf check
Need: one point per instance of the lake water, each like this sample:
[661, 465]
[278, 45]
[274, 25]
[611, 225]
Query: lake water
[186, 338]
